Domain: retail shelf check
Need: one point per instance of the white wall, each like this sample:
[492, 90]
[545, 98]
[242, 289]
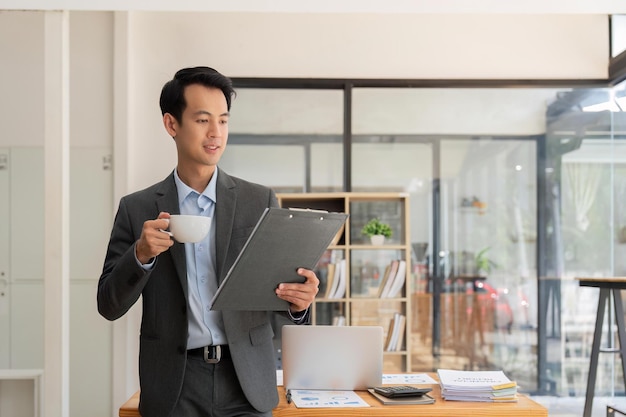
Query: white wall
[352, 46]
[380, 45]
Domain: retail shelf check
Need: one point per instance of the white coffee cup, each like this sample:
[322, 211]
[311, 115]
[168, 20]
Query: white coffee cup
[187, 228]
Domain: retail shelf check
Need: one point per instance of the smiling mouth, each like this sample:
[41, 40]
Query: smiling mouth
[211, 147]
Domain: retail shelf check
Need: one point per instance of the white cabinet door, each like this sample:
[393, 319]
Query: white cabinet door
[91, 208]
[27, 328]
[27, 214]
[5, 226]
[26, 243]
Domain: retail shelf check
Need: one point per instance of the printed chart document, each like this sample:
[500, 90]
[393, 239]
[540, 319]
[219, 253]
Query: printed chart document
[282, 241]
[326, 399]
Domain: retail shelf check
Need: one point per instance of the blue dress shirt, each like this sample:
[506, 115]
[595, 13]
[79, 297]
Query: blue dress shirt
[206, 327]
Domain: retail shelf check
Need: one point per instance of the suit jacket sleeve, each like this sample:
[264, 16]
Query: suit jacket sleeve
[122, 279]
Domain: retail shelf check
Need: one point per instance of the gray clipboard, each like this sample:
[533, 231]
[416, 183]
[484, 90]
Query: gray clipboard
[282, 241]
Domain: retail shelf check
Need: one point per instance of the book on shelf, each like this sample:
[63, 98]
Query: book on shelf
[322, 275]
[401, 332]
[479, 386]
[398, 280]
[420, 399]
[384, 279]
[339, 320]
[330, 279]
[390, 273]
[336, 286]
[393, 279]
[341, 285]
[395, 333]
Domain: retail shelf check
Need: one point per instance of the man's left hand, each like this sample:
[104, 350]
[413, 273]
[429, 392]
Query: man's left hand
[300, 296]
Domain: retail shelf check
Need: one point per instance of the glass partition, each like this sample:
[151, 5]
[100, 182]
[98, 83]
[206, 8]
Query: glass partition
[586, 155]
[288, 139]
[514, 192]
[468, 158]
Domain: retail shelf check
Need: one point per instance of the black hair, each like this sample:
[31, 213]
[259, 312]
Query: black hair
[172, 99]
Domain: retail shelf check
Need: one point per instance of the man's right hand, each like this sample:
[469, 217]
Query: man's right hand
[153, 239]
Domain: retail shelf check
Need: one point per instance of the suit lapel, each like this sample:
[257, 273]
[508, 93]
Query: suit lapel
[224, 217]
[168, 201]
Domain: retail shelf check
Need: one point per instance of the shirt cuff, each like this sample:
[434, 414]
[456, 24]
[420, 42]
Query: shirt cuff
[148, 266]
[298, 317]
[145, 267]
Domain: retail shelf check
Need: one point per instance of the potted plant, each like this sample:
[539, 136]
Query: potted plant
[377, 231]
[483, 263]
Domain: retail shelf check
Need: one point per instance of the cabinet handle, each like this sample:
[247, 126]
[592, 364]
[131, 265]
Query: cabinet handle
[4, 283]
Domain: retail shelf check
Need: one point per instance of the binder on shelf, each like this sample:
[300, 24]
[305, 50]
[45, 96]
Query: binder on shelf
[282, 241]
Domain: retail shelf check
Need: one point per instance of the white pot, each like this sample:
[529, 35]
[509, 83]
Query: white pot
[377, 240]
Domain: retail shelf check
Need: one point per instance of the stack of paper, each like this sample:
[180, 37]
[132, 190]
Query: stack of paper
[484, 386]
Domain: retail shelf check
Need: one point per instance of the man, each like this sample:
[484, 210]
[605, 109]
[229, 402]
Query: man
[194, 361]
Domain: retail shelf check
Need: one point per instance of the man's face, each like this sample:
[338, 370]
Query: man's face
[202, 133]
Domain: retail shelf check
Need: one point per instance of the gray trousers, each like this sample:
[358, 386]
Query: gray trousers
[212, 390]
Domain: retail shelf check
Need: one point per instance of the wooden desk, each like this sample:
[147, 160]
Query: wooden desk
[608, 287]
[131, 407]
[524, 407]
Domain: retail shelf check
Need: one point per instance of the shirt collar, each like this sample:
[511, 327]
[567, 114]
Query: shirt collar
[184, 190]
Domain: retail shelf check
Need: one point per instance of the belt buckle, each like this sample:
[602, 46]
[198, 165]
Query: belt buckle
[212, 354]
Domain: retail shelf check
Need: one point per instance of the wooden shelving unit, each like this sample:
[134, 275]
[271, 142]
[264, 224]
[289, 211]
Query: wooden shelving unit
[365, 266]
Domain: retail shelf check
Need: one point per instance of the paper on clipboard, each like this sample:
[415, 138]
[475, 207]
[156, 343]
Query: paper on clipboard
[282, 241]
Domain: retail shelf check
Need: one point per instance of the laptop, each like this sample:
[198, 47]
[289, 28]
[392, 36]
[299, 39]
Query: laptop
[332, 357]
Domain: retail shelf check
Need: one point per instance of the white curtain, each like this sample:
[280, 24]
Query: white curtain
[584, 179]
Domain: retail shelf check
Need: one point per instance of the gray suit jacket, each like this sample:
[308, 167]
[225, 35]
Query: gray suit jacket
[163, 338]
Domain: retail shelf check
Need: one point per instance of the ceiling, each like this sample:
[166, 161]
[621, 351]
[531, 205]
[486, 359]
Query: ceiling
[606, 7]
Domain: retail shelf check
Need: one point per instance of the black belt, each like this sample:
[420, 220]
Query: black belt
[211, 354]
